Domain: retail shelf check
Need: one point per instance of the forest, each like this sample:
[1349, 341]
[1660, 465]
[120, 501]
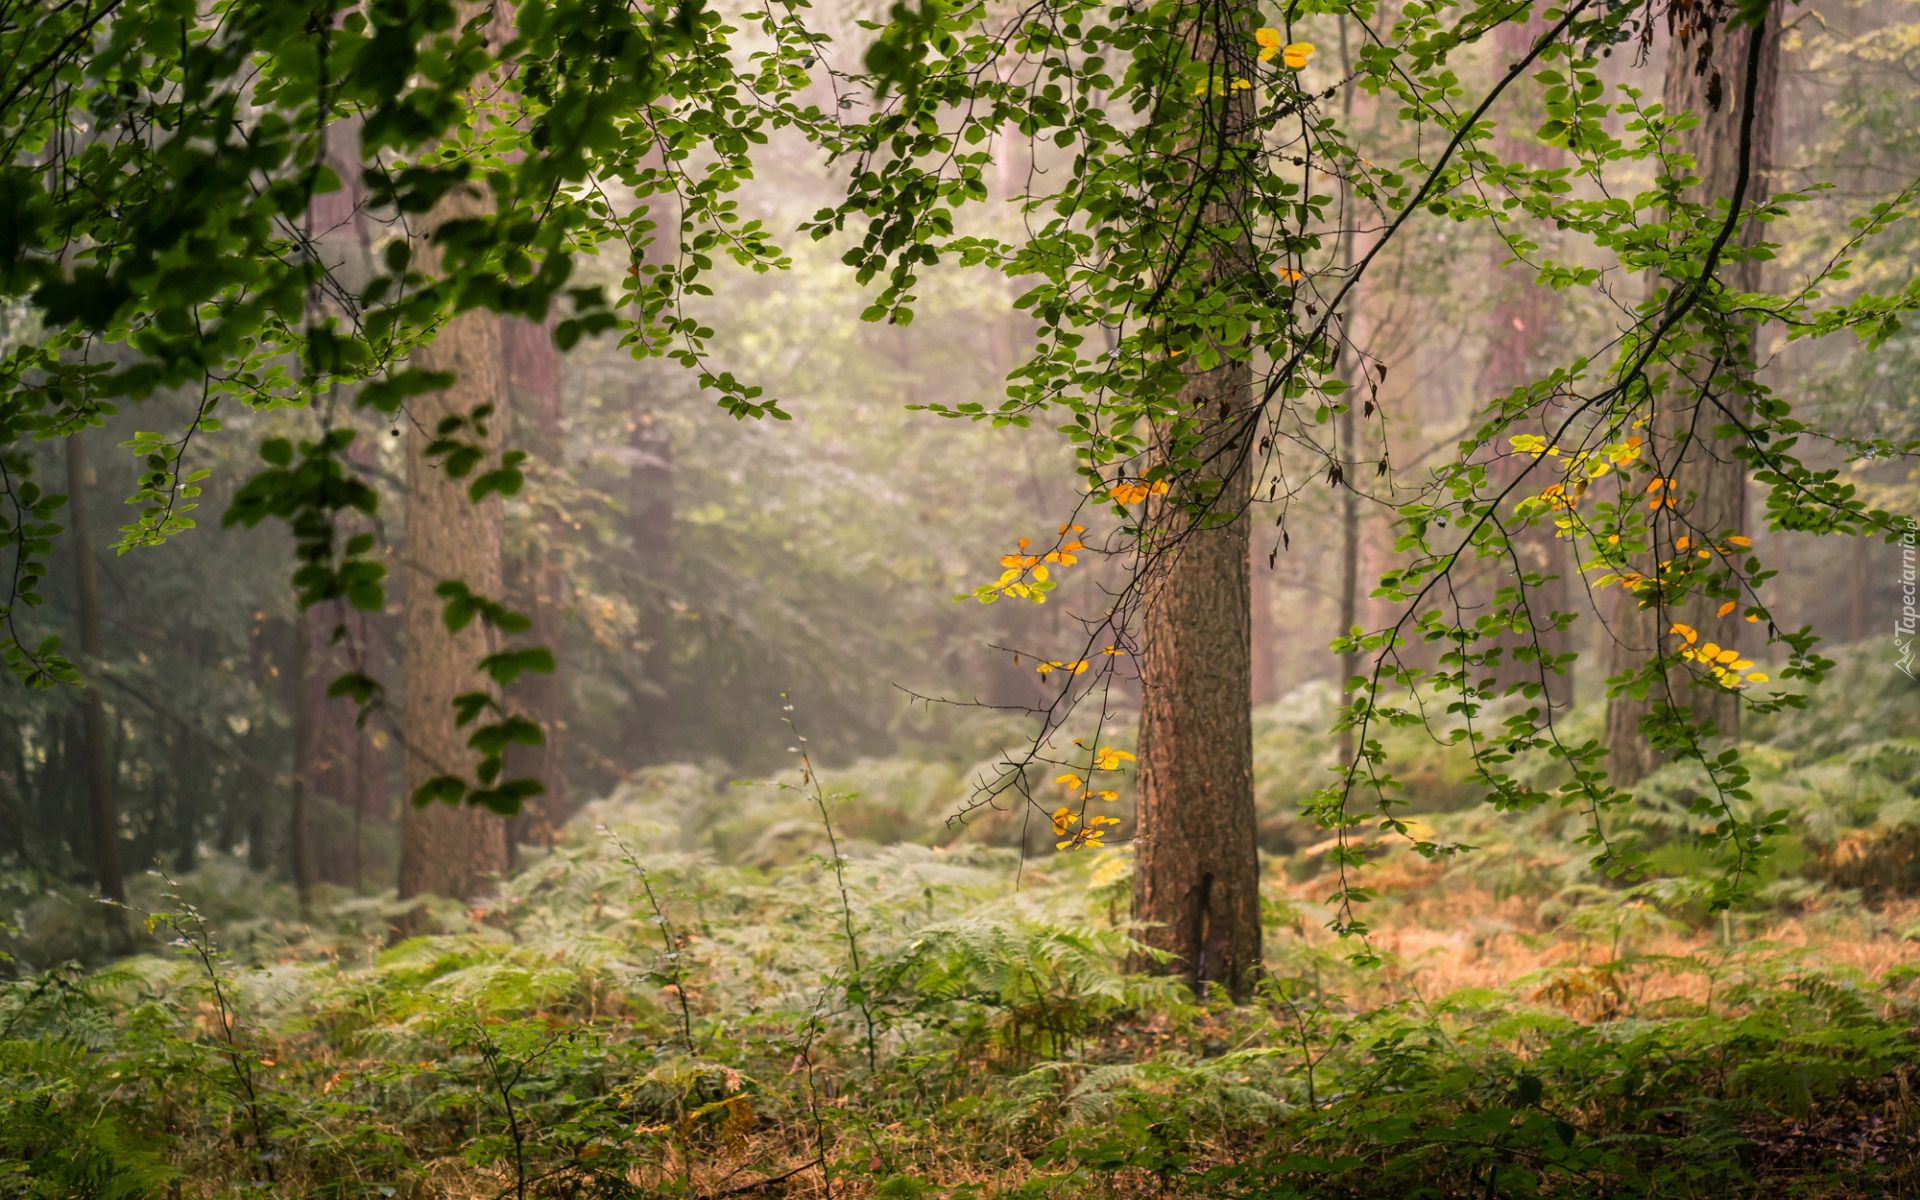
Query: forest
[732, 599]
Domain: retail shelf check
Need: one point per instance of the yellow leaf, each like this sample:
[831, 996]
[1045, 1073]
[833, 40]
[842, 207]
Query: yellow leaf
[1072, 781]
[1686, 631]
[1740, 541]
[1268, 37]
[1109, 797]
[1757, 677]
[1040, 573]
[1726, 608]
[1289, 274]
[1296, 55]
[1743, 664]
[1726, 656]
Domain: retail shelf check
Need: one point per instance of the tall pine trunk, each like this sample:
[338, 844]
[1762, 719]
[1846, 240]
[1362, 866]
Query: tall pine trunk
[1706, 75]
[444, 850]
[103, 820]
[1196, 882]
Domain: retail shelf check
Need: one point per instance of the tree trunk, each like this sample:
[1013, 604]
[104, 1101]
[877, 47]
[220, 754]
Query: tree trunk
[298, 850]
[1264, 665]
[97, 770]
[1349, 571]
[1523, 320]
[1196, 881]
[649, 719]
[1196, 869]
[1709, 480]
[536, 585]
[448, 851]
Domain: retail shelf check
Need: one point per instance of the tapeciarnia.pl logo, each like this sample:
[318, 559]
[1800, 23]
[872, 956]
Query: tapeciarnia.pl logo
[1904, 625]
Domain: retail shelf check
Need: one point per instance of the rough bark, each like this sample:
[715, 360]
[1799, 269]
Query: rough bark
[448, 851]
[1196, 882]
[1196, 869]
[1710, 481]
[97, 770]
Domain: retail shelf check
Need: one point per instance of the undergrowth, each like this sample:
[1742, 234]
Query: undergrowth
[641, 1012]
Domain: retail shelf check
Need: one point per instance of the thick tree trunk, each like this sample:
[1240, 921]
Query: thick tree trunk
[535, 583]
[1196, 881]
[1706, 78]
[1196, 868]
[97, 769]
[448, 851]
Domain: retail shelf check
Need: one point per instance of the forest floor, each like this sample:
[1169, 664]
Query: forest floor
[693, 996]
[661, 1024]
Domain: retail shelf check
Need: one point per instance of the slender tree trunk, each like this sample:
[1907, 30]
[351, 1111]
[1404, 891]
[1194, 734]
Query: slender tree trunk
[299, 852]
[1348, 448]
[649, 718]
[1349, 573]
[1523, 320]
[1265, 667]
[536, 584]
[97, 770]
[361, 799]
[448, 851]
[1706, 75]
[1196, 882]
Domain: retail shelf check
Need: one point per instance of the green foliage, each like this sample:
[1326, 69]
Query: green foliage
[539, 1050]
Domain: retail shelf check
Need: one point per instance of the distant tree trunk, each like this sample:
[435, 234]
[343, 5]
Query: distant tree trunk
[1196, 881]
[649, 718]
[1707, 78]
[361, 798]
[1265, 667]
[448, 851]
[1523, 320]
[97, 769]
[299, 852]
[536, 584]
[188, 780]
[1860, 588]
[1349, 569]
